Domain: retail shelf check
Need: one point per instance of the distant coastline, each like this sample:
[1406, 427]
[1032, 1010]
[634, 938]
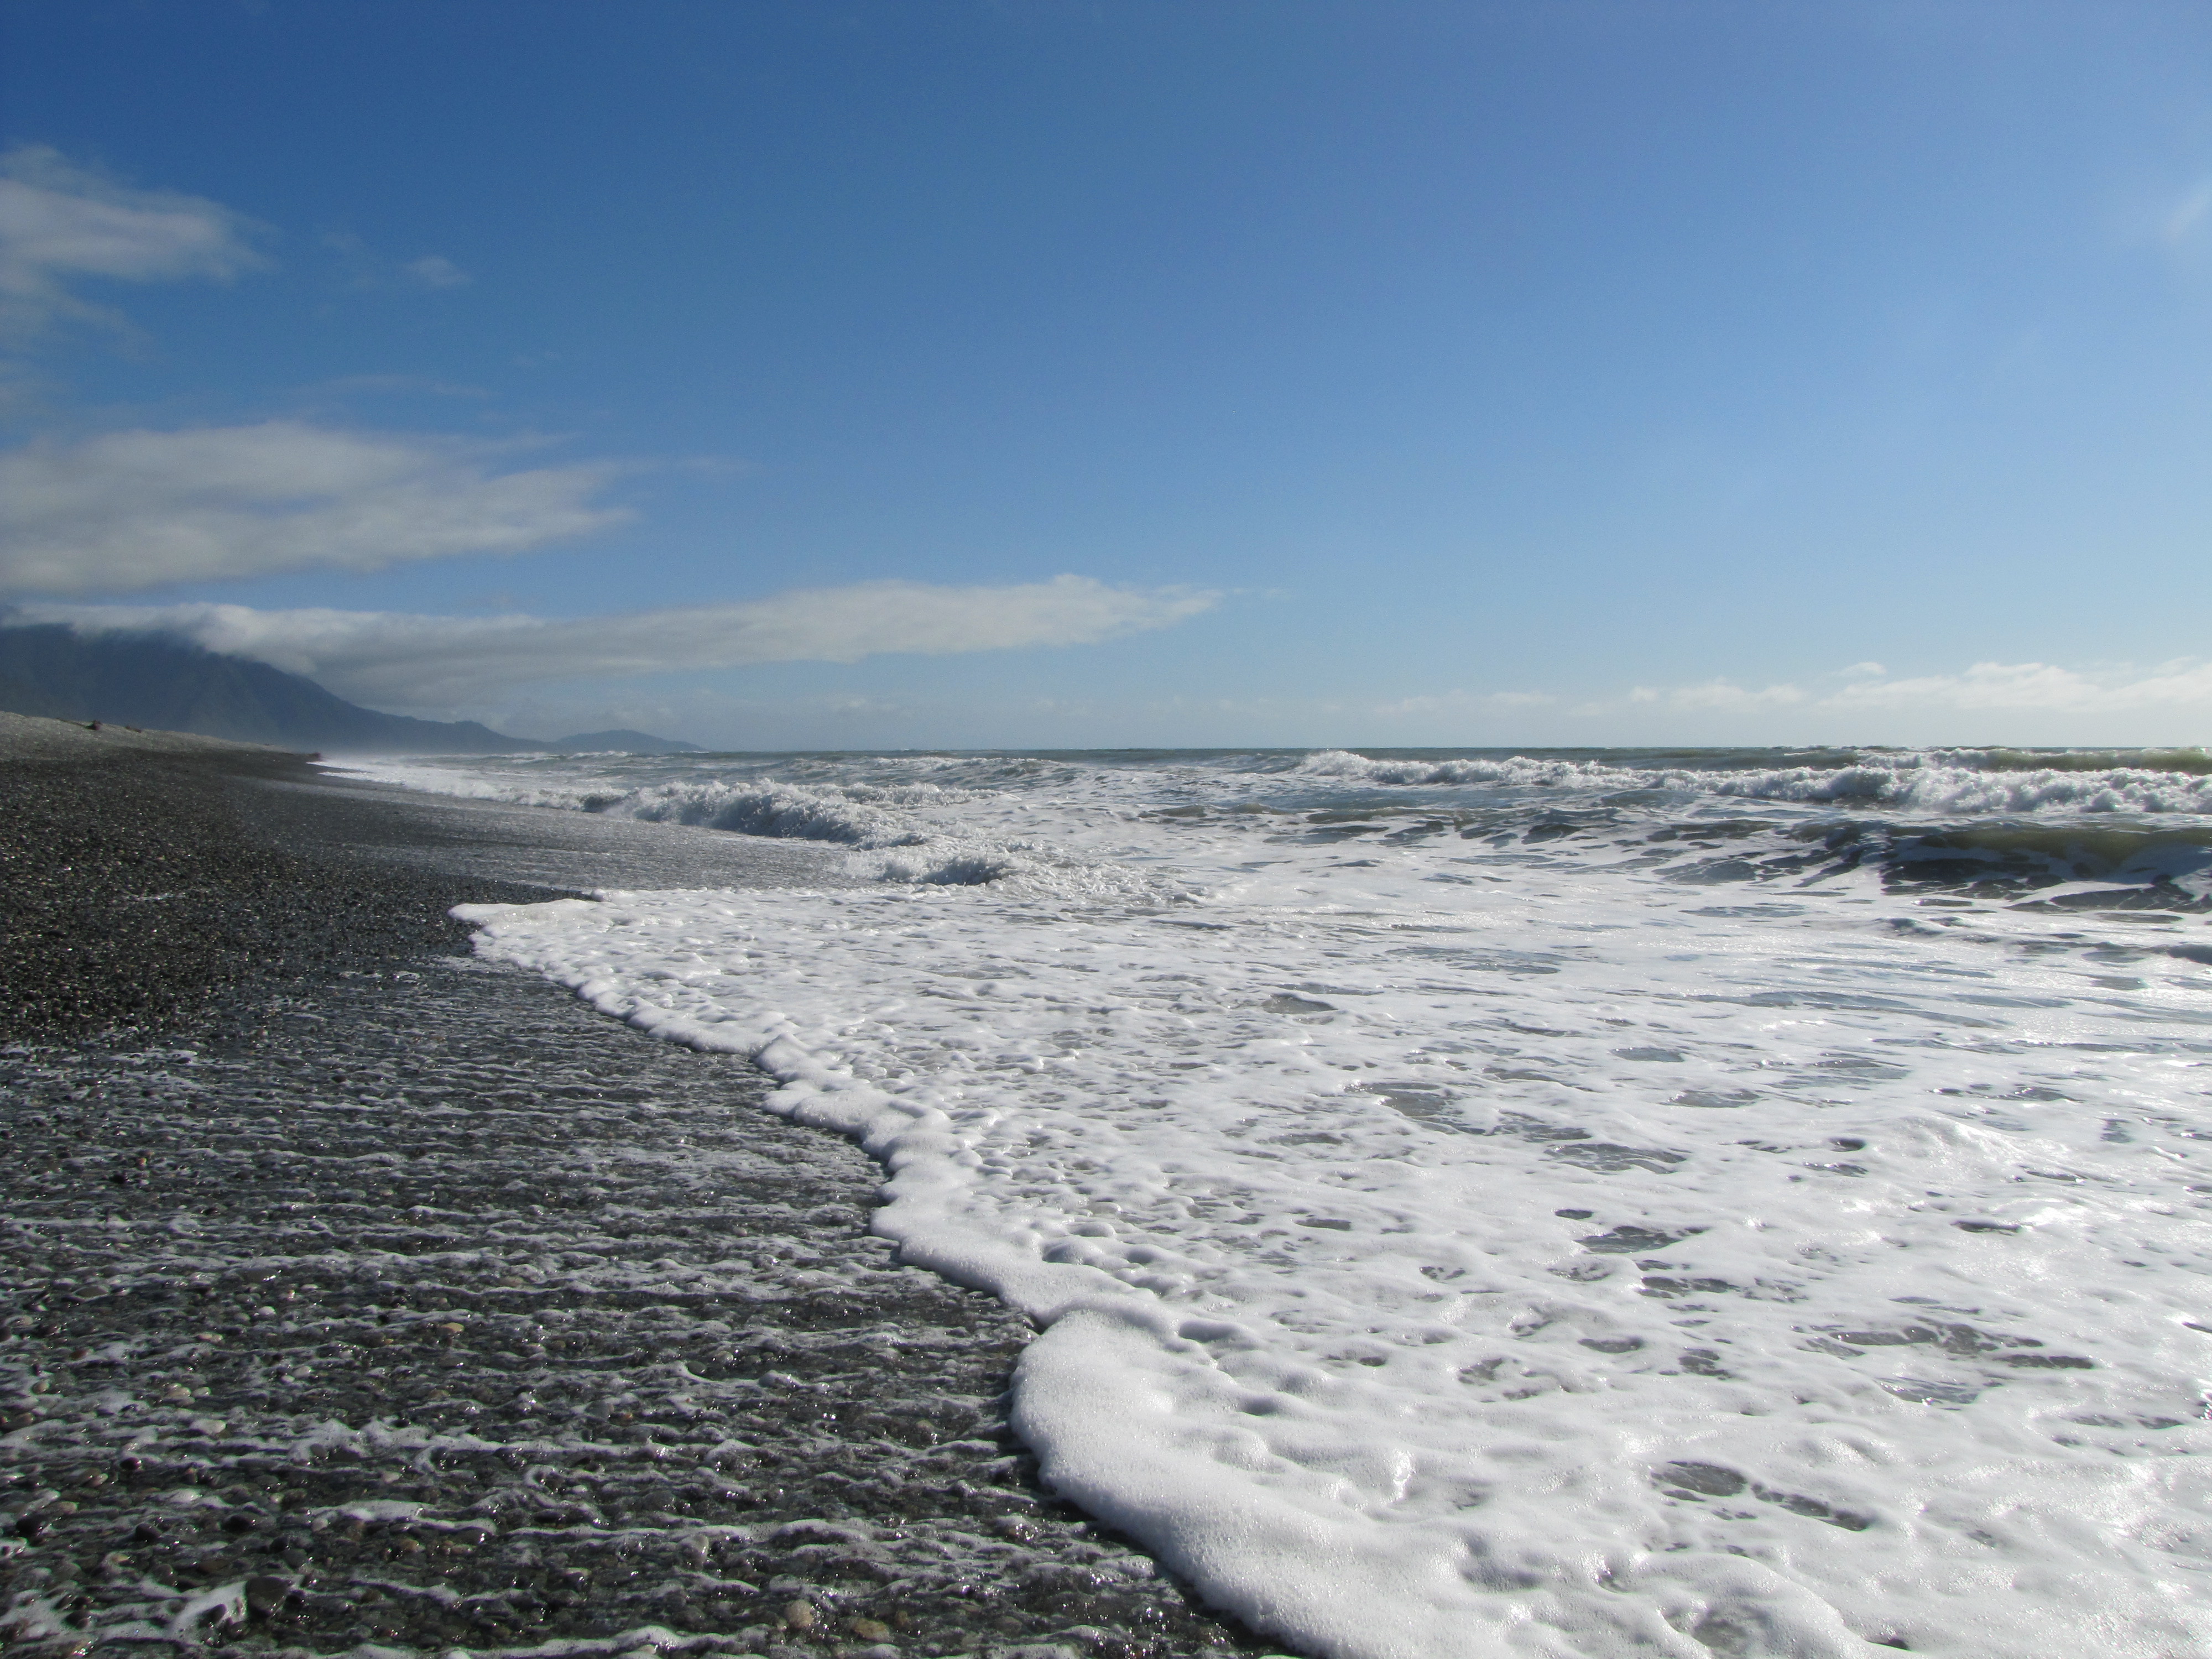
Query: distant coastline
[152, 680]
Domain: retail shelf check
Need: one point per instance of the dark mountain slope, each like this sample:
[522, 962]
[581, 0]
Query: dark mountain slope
[170, 685]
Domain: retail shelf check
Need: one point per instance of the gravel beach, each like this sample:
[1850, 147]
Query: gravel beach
[365, 1298]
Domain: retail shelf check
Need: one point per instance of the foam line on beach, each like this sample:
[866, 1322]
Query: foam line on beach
[1396, 1351]
[1541, 1194]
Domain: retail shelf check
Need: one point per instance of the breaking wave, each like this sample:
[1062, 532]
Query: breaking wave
[1965, 782]
[777, 810]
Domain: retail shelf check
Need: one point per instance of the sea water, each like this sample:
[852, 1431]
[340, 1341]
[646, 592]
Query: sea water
[1552, 1203]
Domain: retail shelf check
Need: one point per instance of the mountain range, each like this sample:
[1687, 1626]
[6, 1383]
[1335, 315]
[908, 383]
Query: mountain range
[169, 684]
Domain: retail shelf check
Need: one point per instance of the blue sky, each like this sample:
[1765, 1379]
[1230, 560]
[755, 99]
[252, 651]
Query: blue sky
[1097, 374]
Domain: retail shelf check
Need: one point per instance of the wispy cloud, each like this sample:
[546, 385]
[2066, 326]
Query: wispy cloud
[60, 224]
[2035, 687]
[1722, 695]
[1466, 702]
[2039, 701]
[2024, 688]
[363, 267]
[2185, 216]
[393, 660]
[435, 270]
[132, 510]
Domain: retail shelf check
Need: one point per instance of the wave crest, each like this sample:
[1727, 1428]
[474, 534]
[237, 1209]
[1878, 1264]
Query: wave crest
[1970, 782]
[790, 811]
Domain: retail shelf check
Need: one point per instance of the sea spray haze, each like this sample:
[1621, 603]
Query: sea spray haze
[1555, 1204]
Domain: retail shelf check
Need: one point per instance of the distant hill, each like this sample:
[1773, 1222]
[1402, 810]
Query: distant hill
[636, 742]
[169, 684]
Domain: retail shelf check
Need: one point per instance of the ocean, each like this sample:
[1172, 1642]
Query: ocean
[1546, 1202]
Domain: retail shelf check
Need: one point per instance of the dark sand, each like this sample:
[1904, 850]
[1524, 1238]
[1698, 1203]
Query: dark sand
[361, 1295]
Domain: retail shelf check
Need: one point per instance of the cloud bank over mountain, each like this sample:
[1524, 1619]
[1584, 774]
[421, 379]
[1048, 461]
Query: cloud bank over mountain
[393, 660]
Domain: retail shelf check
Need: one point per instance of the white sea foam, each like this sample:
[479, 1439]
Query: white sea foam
[1465, 1227]
[1938, 781]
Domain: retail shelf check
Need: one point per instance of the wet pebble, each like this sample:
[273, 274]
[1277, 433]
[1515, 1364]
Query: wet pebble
[479, 1321]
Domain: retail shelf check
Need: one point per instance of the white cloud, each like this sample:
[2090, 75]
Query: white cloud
[392, 661]
[59, 224]
[2039, 691]
[1466, 702]
[1721, 694]
[132, 510]
[435, 270]
[1725, 693]
[363, 267]
[2034, 686]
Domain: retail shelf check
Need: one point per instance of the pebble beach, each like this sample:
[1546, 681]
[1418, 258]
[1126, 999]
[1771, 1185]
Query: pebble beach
[365, 1298]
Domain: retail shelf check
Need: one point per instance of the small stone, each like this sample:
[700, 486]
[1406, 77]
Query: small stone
[265, 1592]
[869, 1630]
[799, 1615]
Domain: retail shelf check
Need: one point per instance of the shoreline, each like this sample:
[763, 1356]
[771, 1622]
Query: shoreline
[359, 1292]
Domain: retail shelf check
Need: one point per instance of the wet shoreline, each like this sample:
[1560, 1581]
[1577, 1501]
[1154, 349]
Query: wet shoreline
[359, 1294]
